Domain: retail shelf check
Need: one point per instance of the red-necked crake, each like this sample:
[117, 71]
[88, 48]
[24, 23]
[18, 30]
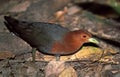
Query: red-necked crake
[48, 38]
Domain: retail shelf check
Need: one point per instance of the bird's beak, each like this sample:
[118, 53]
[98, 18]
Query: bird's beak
[93, 40]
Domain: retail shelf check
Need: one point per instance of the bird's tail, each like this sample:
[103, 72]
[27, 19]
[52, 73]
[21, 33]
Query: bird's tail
[10, 23]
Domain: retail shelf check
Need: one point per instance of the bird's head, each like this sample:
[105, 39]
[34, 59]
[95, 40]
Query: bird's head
[82, 36]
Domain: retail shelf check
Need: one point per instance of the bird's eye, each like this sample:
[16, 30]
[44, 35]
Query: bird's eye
[84, 36]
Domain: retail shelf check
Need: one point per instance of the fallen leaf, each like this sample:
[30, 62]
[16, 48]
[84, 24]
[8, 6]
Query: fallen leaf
[54, 68]
[68, 72]
[6, 55]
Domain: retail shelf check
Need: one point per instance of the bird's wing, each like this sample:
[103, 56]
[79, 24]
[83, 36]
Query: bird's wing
[37, 34]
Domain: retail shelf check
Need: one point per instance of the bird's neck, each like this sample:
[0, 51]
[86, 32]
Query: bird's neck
[71, 42]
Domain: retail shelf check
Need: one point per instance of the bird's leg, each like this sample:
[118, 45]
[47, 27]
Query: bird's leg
[33, 54]
[57, 57]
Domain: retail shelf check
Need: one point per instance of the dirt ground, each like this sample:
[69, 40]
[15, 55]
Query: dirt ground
[104, 25]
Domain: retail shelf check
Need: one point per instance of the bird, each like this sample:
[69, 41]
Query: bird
[49, 38]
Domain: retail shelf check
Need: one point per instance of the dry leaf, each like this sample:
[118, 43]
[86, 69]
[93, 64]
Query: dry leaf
[6, 55]
[54, 68]
[68, 72]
